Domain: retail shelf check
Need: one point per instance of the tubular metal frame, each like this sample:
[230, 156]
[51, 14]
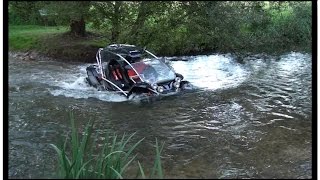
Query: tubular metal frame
[99, 62]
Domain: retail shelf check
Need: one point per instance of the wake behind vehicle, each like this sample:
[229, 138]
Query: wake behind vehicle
[128, 69]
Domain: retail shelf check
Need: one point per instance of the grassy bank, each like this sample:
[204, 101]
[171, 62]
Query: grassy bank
[55, 42]
[24, 38]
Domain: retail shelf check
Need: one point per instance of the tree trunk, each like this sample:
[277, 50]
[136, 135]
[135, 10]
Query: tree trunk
[143, 13]
[142, 16]
[78, 28]
[115, 31]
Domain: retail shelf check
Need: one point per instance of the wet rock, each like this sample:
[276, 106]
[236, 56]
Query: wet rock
[30, 56]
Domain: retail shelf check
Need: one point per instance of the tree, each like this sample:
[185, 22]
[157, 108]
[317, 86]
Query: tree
[23, 12]
[110, 15]
[73, 13]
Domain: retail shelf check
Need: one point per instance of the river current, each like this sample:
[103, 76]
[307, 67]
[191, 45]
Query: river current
[245, 119]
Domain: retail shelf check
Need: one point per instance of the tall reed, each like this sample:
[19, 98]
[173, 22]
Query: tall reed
[110, 163]
[156, 171]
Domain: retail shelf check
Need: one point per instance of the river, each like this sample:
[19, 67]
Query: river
[245, 119]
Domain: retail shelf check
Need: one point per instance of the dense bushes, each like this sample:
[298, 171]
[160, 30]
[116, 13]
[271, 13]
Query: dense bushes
[230, 27]
[227, 27]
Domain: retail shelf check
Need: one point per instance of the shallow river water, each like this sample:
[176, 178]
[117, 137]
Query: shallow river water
[248, 119]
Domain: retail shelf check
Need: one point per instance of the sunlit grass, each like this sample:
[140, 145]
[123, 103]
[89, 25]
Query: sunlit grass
[47, 38]
[29, 37]
[110, 162]
[34, 29]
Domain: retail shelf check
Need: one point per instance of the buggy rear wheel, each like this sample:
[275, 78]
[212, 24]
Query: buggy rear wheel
[92, 80]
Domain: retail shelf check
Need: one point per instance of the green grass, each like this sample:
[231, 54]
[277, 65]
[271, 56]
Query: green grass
[29, 37]
[77, 159]
[56, 42]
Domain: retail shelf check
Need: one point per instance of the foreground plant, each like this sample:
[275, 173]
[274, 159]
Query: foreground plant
[110, 163]
[156, 171]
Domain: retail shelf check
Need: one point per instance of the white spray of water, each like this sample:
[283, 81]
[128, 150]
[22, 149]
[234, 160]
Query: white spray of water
[79, 88]
[211, 72]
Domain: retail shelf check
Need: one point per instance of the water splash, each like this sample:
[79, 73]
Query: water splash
[81, 89]
[211, 72]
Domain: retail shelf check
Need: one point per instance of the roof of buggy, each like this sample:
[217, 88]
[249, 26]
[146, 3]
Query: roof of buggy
[125, 50]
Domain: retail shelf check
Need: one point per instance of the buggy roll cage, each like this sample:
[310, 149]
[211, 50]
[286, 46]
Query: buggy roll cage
[100, 68]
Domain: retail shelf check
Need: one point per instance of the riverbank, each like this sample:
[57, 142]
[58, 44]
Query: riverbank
[29, 42]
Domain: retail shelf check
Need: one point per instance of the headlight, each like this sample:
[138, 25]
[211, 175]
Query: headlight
[160, 89]
[178, 79]
[176, 84]
[154, 86]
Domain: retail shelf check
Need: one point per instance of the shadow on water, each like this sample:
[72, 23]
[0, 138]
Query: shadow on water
[244, 120]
